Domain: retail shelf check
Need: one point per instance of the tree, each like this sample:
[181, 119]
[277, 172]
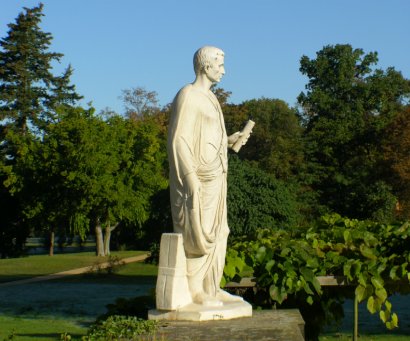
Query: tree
[111, 169]
[276, 141]
[29, 92]
[257, 199]
[30, 96]
[346, 107]
[396, 148]
[139, 102]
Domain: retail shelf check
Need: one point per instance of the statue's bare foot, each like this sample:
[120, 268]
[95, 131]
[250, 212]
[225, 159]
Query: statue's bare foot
[207, 300]
[227, 297]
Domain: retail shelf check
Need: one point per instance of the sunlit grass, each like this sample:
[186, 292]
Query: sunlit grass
[38, 265]
[30, 329]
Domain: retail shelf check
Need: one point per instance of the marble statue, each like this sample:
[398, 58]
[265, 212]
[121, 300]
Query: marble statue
[197, 153]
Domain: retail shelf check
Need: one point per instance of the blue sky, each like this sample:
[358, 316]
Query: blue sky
[119, 44]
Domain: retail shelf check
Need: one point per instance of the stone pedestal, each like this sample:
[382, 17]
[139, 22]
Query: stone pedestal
[196, 312]
[172, 291]
[265, 325]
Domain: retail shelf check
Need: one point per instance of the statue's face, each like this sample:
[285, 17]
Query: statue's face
[215, 70]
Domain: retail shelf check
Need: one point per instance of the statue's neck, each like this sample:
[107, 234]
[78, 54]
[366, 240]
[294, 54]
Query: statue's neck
[202, 82]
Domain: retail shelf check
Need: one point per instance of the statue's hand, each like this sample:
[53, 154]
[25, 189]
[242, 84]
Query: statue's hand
[233, 138]
[192, 183]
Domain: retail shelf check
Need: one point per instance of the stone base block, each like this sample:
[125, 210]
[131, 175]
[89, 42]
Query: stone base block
[264, 325]
[196, 312]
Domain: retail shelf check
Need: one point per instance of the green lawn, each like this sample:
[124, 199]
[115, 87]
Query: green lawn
[45, 310]
[30, 329]
[38, 265]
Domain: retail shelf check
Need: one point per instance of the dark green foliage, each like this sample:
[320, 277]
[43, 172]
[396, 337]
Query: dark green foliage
[13, 231]
[347, 107]
[256, 199]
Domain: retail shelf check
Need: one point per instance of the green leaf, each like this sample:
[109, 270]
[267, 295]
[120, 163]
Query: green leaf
[362, 279]
[367, 252]
[395, 320]
[308, 290]
[309, 300]
[371, 306]
[377, 282]
[269, 265]
[360, 293]
[230, 270]
[393, 272]
[394, 323]
[347, 237]
[277, 294]
[312, 263]
[260, 255]
[382, 315]
[307, 274]
[381, 293]
[223, 282]
[285, 252]
[346, 270]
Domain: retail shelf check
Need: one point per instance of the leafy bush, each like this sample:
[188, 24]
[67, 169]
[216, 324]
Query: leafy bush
[119, 327]
[373, 257]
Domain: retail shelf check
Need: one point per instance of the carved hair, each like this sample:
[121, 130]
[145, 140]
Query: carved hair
[204, 56]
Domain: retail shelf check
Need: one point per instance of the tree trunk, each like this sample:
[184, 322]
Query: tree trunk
[99, 240]
[107, 238]
[51, 249]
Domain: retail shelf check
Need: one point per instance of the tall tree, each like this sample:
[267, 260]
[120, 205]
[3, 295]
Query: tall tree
[347, 106]
[29, 92]
[30, 96]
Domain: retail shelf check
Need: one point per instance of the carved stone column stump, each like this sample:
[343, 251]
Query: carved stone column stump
[172, 289]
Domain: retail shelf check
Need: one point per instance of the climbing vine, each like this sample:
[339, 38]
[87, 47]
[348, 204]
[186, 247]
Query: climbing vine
[373, 257]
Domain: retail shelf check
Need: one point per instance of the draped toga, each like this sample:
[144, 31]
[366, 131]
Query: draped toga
[197, 143]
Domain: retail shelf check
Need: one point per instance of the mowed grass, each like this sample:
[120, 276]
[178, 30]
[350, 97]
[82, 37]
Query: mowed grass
[30, 329]
[38, 265]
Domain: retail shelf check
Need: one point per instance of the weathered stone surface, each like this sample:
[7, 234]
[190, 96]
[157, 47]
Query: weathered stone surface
[275, 325]
[172, 289]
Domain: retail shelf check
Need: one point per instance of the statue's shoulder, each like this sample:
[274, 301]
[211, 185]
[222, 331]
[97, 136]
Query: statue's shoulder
[184, 93]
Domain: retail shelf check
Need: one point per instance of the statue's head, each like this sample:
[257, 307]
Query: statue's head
[210, 61]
